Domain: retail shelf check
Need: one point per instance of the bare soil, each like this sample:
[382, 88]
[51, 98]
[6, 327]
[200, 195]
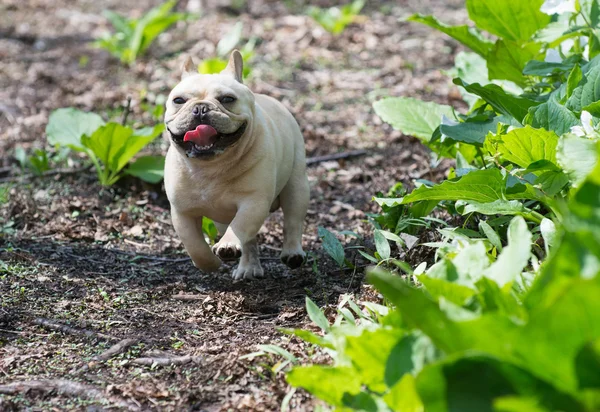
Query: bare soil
[107, 260]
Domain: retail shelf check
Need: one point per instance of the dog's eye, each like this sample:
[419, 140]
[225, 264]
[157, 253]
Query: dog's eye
[227, 99]
[179, 100]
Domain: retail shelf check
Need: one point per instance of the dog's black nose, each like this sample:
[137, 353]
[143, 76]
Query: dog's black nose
[199, 110]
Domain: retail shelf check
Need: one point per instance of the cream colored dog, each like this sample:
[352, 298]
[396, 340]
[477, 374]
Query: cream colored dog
[234, 157]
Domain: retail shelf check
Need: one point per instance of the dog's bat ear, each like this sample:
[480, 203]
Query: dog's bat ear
[235, 67]
[188, 68]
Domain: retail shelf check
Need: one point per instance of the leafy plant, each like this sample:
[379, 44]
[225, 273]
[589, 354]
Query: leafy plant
[109, 146]
[37, 161]
[476, 333]
[335, 19]
[224, 47]
[132, 37]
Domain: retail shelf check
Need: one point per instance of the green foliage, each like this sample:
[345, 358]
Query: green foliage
[132, 37]
[225, 46]
[109, 146]
[335, 19]
[37, 161]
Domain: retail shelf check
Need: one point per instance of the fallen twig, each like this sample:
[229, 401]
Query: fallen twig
[335, 156]
[64, 387]
[156, 258]
[189, 297]
[59, 171]
[53, 325]
[126, 111]
[166, 361]
[114, 350]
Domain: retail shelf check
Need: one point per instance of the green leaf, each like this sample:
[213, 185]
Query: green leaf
[481, 186]
[514, 20]
[552, 182]
[309, 337]
[587, 93]
[369, 353]
[230, 40]
[498, 207]
[508, 59]
[491, 234]
[553, 116]
[327, 383]
[441, 288]
[527, 145]
[501, 101]
[316, 315]
[412, 117]
[212, 66]
[515, 256]
[403, 396]
[332, 245]
[67, 126]
[278, 350]
[464, 34]
[381, 244]
[209, 229]
[150, 169]
[470, 132]
[577, 156]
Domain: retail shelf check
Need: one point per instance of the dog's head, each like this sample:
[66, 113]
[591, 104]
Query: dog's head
[208, 113]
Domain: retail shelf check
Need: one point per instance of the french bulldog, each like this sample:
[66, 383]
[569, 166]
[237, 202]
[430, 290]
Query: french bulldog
[234, 157]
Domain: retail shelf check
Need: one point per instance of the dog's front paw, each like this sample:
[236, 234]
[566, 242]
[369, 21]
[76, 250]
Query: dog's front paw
[248, 271]
[293, 260]
[227, 250]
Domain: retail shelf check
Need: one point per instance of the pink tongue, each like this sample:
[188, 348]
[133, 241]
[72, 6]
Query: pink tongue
[204, 135]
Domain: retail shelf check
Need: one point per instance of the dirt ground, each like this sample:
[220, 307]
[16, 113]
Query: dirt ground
[108, 261]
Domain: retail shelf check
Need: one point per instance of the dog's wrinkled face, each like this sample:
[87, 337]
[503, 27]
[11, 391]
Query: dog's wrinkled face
[206, 114]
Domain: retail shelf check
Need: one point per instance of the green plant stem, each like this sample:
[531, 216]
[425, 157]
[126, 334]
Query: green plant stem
[533, 216]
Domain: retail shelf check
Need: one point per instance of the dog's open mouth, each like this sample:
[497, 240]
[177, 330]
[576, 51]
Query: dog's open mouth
[205, 141]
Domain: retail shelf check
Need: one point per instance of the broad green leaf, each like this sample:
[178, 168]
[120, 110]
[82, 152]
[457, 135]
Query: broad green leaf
[553, 116]
[470, 132]
[527, 145]
[381, 244]
[498, 207]
[514, 20]
[403, 396]
[464, 34]
[67, 126]
[544, 68]
[494, 299]
[482, 186]
[327, 383]
[552, 182]
[332, 245]
[587, 93]
[316, 315]
[369, 353]
[209, 229]
[491, 234]
[150, 169]
[412, 117]
[453, 292]
[508, 59]
[515, 256]
[212, 66]
[230, 40]
[500, 100]
[577, 156]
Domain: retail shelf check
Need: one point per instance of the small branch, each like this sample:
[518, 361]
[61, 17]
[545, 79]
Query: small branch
[335, 156]
[114, 350]
[53, 325]
[166, 361]
[139, 257]
[189, 297]
[63, 172]
[63, 387]
[126, 112]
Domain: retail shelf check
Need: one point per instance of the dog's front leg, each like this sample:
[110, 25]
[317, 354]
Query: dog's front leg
[240, 237]
[189, 230]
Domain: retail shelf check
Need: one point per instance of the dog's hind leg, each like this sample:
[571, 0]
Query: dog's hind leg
[189, 230]
[294, 203]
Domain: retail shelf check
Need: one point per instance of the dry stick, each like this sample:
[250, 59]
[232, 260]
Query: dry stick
[53, 325]
[63, 387]
[335, 156]
[188, 297]
[126, 112]
[114, 350]
[166, 361]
